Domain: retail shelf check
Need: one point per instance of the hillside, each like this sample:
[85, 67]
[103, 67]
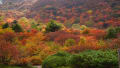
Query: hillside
[16, 4]
[59, 33]
[75, 10]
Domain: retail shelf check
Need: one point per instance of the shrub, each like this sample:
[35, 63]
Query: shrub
[6, 25]
[85, 31]
[36, 60]
[62, 37]
[55, 61]
[17, 28]
[82, 27]
[76, 26]
[70, 42]
[87, 59]
[117, 29]
[94, 59]
[111, 33]
[52, 27]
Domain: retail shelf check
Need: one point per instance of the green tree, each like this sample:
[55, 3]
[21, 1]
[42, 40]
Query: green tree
[111, 33]
[76, 26]
[16, 27]
[6, 25]
[2, 19]
[77, 21]
[117, 29]
[68, 24]
[89, 23]
[57, 60]
[52, 26]
[70, 42]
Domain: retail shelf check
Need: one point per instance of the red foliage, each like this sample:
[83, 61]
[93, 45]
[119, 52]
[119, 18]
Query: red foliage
[61, 36]
[8, 52]
[8, 36]
[77, 49]
[98, 33]
[24, 35]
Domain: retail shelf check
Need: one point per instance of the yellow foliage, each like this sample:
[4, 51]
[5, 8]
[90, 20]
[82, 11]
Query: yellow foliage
[90, 11]
[2, 31]
[82, 41]
[36, 39]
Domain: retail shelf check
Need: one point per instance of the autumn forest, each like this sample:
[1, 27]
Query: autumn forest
[59, 33]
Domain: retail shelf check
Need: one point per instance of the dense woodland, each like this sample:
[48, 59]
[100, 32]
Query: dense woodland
[59, 33]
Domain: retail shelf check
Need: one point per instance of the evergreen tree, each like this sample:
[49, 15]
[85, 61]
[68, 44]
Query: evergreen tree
[52, 27]
[16, 27]
[6, 25]
[111, 33]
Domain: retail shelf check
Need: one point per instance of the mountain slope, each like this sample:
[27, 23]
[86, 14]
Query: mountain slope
[67, 9]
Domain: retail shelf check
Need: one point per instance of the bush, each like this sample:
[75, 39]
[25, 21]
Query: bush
[76, 26]
[55, 61]
[87, 59]
[17, 28]
[70, 42]
[6, 25]
[117, 29]
[111, 33]
[94, 59]
[52, 27]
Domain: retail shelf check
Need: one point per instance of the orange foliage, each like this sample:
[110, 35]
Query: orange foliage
[98, 33]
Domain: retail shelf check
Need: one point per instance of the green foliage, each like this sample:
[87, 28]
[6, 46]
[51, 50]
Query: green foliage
[70, 42]
[6, 25]
[16, 27]
[82, 27]
[94, 59]
[52, 26]
[87, 59]
[34, 26]
[111, 33]
[2, 19]
[68, 24]
[76, 26]
[55, 61]
[117, 29]
[90, 23]
[77, 21]
[62, 54]
[85, 31]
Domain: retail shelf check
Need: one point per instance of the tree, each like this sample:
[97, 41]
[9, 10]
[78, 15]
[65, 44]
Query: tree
[70, 42]
[16, 27]
[117, 29]
[8, 52]
[6, 25]
[77, 21]
[111, 33]
[76, 26]
[52, 27]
